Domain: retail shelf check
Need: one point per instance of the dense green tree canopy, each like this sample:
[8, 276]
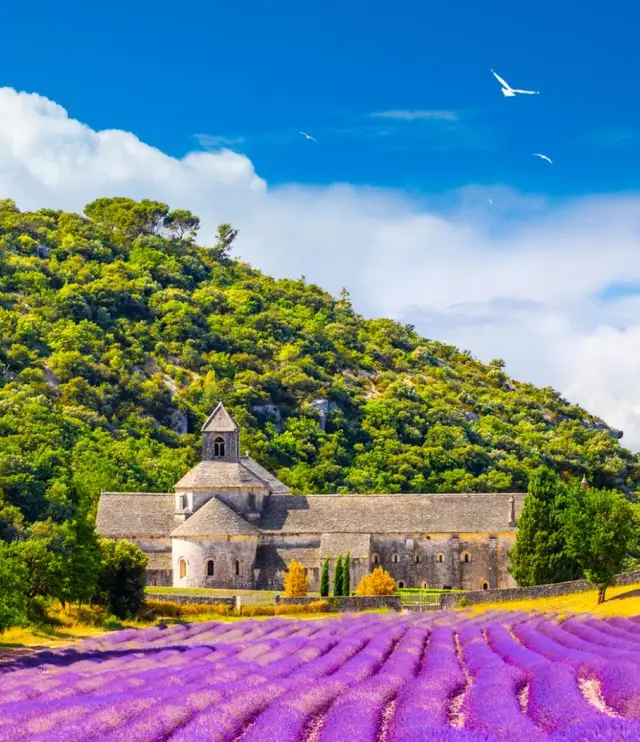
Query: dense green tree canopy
[117, 333]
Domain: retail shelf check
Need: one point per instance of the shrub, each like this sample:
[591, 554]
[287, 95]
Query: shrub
[296, 583]
[171, 609]
[463, 602]
[112, 623]
[379, 582]
[122, 578]
[292, 609]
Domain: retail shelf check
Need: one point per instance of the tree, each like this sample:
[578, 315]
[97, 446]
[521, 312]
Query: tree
[379, 582]
[296, 583]
[79, 562]
[346, 575]
[337, 577]
[539, 556]
[225, 236]
[599, 526]
[324, 579]
[13, 588]
[181, 222]
[122, 577]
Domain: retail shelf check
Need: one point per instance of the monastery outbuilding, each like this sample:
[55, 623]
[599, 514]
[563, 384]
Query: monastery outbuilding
[231, 524]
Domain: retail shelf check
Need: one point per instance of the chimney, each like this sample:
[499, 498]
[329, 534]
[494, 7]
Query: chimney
[512, 511]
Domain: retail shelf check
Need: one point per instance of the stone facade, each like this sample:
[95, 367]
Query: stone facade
[231, 524]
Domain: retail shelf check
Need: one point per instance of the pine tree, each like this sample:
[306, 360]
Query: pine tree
[540, 556]
[324, 579]
[337, 578]
[346, 575]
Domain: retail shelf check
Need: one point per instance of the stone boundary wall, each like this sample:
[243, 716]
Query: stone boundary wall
[184, 599]
[349, 604]
[536, 591]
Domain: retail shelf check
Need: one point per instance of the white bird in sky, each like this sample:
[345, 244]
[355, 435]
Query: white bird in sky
[306, 136]
[544, 157]
[510, 92]
[491, 202]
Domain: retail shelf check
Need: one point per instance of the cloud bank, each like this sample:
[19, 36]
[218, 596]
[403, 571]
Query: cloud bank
[520, 279]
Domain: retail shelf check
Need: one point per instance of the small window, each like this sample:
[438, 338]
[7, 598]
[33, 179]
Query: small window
[182, 502]
[401, 584]
[182, 566]
[417, 558]
[440, 557]
[485, 585]
[218, 448]
[446, 587]
[424, 585]
[465, 557]
[210, 568]
[376, 559]
[238, 567]
[252, 501]
[394, 558]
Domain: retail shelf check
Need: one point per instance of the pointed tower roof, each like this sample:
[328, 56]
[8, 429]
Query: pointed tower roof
[219, 421]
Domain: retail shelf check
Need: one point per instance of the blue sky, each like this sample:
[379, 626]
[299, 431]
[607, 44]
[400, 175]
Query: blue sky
[258, 72]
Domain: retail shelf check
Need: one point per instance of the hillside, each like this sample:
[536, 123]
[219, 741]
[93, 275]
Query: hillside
[119, 334]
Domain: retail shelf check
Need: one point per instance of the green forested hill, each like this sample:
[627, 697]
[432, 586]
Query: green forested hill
[118, 333]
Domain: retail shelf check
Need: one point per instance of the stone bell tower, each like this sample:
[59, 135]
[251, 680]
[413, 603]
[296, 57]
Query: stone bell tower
[220, 437]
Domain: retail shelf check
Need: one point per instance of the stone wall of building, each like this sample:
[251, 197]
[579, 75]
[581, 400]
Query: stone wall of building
[465, 561]
[159, 577]
[233, 559]
[536, 591]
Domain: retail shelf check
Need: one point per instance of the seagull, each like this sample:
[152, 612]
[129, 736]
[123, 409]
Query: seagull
[544, 157]
[306, 136]
[491, 202]
[510, 92]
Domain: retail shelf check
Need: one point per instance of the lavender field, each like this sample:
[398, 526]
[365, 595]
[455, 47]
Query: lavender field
[501, 676]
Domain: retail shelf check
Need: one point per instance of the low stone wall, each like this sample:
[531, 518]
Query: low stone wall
[349, 604]
[183, 598]
[536, 591]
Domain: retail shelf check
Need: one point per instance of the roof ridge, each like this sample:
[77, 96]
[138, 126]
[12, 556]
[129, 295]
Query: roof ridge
[257, 476]
[402, 494]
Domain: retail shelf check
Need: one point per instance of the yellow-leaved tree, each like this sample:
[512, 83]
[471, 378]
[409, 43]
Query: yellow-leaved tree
[379, 582]
[296, 583]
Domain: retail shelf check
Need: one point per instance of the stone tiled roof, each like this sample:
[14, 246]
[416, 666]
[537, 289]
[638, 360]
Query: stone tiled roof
[135, 514]
[434, 513]
[275, 485]
[334, 544]
[279, 557]
[219, 421]
[214, 518]
[159, 560]
[212, 474]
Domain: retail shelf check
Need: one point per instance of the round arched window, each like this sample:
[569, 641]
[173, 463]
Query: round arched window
[182, 568]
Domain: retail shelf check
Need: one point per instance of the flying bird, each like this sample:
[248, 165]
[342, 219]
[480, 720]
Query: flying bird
[510, 92]
[544, 157]
[491, 202]
[306, 136]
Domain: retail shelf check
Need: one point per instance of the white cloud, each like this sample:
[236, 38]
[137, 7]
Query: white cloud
[404, 115]
[519, 279]
[213, 141]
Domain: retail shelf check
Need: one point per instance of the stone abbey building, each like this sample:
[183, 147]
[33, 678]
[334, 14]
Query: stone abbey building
[231, 524]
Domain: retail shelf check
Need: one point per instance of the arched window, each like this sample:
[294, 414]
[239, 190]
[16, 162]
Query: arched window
[417, 558]
[238, 567]
[424, 585]
[252, 501]
[182, 567]
[394, 558]
[440, 557]
[401, 584]
[376, 559]
[218, 448]
[465, 557]
[485, 585]
[210, 568]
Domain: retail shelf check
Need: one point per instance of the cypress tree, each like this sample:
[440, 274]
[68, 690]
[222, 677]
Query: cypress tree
[337, 578]
[346, 575]
[324, 579]
[540, 556]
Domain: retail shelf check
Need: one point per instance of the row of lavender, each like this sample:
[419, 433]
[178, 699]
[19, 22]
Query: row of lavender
[508, 676]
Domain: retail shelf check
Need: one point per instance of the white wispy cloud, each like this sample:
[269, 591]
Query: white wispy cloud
[213, 141]
[523, 280]
[404, 115]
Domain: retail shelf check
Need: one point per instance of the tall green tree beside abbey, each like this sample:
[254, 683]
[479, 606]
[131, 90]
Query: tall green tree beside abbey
[118, 334]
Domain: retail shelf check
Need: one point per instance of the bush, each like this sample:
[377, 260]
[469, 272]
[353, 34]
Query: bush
[291, 609]
[379, 582]
[171, 609]
[13, 590]
[463, 602]
[111, 623]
